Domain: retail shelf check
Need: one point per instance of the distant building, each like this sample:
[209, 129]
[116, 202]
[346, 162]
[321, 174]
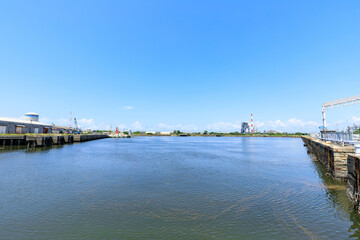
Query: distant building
[32, 117]
[245, 128]
[60, 129]
[273, 131]
[30, 124]
[88, 130]
[165, 133]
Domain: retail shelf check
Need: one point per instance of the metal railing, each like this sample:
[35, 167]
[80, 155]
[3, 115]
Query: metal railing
[337, 136]
[342, 138]
[356, 137]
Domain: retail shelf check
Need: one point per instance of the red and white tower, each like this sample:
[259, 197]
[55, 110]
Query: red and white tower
[252, 124]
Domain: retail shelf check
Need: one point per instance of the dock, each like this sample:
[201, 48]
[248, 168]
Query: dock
[353, 183]
[46, 140]
[342, 163]
[332, 156]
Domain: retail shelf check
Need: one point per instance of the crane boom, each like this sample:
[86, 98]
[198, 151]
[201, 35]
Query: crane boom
[339, 103]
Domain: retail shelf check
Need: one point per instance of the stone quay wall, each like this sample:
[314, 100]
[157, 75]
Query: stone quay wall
[45, 140]
[353, 181]
[89, 137]
[334, 157]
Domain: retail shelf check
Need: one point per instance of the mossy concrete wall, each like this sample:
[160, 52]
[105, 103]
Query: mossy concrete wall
[334, 157]
[353, 181]
[89, 137]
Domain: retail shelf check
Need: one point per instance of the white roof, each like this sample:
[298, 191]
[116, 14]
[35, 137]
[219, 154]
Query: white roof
[6, 119]
[31, 113]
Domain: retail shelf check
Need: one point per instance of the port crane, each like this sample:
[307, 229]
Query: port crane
[76, 125]
[77, 129]
[338, 103]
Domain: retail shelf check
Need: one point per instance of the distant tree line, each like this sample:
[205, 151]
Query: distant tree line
[354, 128]
[236, 133]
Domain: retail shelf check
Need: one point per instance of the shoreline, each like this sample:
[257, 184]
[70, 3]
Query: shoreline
[272, 136]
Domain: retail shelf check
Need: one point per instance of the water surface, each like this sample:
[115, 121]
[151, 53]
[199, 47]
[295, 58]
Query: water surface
[172, 188]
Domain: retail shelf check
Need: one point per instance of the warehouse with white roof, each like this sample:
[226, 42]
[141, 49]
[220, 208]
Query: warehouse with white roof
[30, 124]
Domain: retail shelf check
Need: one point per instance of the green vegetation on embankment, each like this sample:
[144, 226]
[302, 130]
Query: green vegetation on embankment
[222, 134]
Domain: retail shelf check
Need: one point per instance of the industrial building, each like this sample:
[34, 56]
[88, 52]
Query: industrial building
[30, 124]
[245, 128]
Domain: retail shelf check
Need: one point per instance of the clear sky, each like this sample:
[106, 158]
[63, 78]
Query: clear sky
[180, 64]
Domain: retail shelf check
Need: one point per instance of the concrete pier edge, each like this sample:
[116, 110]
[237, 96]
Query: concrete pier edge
[332, 156]
[43, 140]
[353, 183]
[341, 162]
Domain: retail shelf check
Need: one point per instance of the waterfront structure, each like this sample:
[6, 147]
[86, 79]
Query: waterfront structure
[341, 162]
[332, 156]
[30, 124]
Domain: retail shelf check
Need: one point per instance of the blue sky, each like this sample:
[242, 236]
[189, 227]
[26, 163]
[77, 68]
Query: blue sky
[190, 65]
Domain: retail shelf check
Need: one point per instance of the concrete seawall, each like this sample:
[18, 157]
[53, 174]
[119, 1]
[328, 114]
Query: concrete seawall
[353, 182]
[341, 162]
[47, 141]
[84, 138]
[333, 157]
[43, 140]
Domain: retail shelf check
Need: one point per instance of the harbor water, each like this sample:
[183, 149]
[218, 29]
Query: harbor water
[172, 188]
